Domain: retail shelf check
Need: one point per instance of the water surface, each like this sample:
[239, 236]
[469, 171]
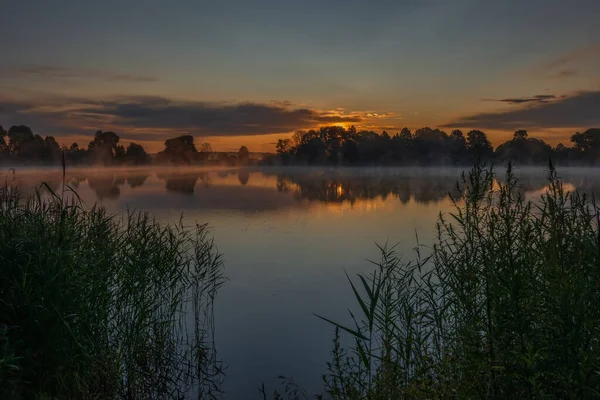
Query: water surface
[287, 236]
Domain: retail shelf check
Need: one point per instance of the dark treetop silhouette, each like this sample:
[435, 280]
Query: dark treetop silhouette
[330, 145]
[21, 146]
[336, 145]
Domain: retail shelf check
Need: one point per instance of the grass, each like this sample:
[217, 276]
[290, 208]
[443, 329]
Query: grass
[99, 306]
[506, 304]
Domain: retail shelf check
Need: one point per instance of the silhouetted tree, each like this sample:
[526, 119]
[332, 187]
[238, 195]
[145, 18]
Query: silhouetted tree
[105, 149]
[562, 154]
[75, 155]
[429, 146]
[523, 150]
[401, 147]
[520, 134]
[179, 150]
[3, 144]
[243, 155]
[23, 144]
[478, 145]
[136, 155]
[18, 136]
[587, 145]
[51, 149]
[328, 145]
[458, 147]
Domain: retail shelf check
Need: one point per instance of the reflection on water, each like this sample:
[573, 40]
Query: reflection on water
[287, 236]
[327, 186]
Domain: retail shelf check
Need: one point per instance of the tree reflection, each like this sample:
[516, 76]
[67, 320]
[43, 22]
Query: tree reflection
[105, 185]
[327, 186]
[422, 189]
[180, 182]
[331, 189]
[243, 176]
[136, 180]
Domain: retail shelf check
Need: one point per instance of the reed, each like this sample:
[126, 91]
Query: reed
[100, 306]
[505, 304]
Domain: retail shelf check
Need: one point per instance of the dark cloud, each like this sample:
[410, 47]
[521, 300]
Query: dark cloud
[50, 71]
[579, 110]
[540, 98]
[157, 113]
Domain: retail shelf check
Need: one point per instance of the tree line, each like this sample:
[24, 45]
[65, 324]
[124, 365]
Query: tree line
[329, 145]
[335, 145]
[21, 145]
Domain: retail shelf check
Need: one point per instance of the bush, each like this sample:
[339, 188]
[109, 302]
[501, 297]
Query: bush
[99, 306]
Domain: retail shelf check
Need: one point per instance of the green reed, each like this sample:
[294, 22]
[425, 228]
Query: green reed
[100, 306]
[506, 304]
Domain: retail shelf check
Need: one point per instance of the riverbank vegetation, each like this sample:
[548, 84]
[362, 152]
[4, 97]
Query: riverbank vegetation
[100, 306]
[504, 305]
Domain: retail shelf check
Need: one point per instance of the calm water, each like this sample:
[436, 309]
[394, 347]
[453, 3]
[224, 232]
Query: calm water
[287, 236]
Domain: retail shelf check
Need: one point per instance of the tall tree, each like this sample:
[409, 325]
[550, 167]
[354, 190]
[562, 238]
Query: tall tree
[51, 149]
[458, 147]
[587, 144]
[520, 134]
[3, 144]
[587, 141]
[135, 154]
[104, 148]
[479, 145]
[19, 136]
[179, 150]
[243, 155]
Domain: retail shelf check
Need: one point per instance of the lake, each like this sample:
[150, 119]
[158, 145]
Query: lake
[287, 236]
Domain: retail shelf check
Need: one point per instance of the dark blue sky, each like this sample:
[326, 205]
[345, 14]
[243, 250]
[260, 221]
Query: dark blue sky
[151, 67]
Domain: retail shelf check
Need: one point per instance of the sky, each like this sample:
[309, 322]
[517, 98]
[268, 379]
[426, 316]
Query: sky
[247, 72]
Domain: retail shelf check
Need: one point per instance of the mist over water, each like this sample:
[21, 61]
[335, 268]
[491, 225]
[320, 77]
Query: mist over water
[287, 235]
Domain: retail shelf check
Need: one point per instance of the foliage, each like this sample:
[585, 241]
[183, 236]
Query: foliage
[504, 306]
[328, 145]
[98, 306]
[21, 145]
[136, 155]
[179, 150]
[588, 144]
[335, 145]
[526, 150]
[105, 148]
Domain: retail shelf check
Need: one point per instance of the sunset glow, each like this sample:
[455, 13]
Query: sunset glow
[233, 75]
